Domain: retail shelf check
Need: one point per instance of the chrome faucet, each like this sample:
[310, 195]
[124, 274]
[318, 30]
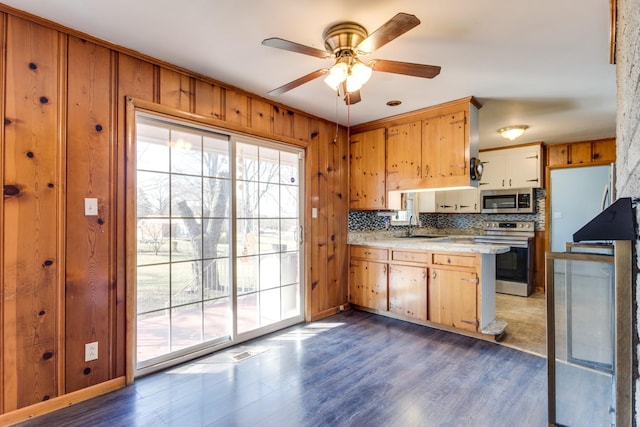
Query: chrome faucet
[409, 229]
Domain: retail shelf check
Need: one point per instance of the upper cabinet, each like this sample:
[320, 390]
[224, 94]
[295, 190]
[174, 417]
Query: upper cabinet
[515, 167]
[601, 151]
[367, 170]
[428, 148]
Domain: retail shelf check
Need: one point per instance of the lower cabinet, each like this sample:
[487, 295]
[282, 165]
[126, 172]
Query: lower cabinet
[453, 298]
[425, 286]
[408, 291]
[368, 284]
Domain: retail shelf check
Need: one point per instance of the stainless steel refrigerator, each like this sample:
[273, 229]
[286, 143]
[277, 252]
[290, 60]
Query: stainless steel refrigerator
[577, 195]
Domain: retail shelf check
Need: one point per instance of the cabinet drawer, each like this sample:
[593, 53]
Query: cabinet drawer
[367, 252]
[454, 259]
[421, 257]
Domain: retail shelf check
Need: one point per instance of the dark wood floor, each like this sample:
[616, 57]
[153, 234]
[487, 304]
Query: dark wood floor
[352, 369]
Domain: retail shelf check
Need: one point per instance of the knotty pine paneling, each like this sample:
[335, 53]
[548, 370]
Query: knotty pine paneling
[3, 33]
[32, 263]
[71, 158]
[282, 122]
[176, 90]
[137, 79]
[208, 100]
[236, 108]
[261, 116]
[90, 159]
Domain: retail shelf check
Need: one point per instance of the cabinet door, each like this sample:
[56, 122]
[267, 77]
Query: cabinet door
[468, 200]
[523, 167]
[604, 150]
[446, 201]
[444, 147]
[367, 173]
[408, 291]
[453, 298]
[368, 284]
[403, 154]
[580, 153]
[494, 170]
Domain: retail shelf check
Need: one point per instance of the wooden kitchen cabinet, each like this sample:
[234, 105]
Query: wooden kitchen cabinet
[403, 154]
[367, 170]
[408, 291]
[601, 151]
[445, 154]
[368, 277]
[453, 298]
[516, 167]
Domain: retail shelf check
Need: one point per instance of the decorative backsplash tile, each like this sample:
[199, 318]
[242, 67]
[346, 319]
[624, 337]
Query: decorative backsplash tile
[370, 221]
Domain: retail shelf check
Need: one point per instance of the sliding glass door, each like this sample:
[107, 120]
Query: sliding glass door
[198, 192]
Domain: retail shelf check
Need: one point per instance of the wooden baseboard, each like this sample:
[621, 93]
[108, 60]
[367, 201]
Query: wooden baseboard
[329, 312]
[41, 408]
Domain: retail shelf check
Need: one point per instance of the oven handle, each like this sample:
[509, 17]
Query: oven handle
[511, 243]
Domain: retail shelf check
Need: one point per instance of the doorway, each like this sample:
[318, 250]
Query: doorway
[218, 248]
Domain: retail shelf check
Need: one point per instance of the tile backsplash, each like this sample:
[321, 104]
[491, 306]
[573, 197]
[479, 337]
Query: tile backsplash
[370, 221]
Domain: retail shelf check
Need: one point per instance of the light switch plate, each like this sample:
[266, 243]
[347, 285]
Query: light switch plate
[90, 207]
[91, 351]
[314, 212]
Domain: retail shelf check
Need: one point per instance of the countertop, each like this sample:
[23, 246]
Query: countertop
[437, 242]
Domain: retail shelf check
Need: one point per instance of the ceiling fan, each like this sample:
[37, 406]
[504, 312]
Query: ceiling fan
[345, 42]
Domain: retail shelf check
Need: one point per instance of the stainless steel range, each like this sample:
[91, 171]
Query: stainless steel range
[514, 269]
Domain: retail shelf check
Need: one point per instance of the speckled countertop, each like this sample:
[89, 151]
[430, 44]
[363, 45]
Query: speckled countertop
[445, 240]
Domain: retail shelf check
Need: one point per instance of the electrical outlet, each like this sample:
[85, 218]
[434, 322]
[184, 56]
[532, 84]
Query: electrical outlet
[90, 207]
[91, 351]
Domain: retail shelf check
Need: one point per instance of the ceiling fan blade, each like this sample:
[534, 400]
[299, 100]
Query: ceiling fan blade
[393, 28]
[279, 43]
[406, 68]
[352, 97]
[298, 82]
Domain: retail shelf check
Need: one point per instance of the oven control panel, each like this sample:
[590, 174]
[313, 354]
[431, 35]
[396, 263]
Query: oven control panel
[517, 226]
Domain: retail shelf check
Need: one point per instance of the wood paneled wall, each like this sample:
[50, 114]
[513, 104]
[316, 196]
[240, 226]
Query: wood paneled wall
[63, 140]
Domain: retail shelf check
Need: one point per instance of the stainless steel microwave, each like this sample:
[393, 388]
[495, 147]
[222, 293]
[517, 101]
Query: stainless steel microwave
[513, 200]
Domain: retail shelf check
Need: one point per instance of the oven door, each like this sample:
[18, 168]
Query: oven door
[512, 272]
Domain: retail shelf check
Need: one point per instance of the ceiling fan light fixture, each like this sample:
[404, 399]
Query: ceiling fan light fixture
[337, 74]
[359, 74]
[512, 132]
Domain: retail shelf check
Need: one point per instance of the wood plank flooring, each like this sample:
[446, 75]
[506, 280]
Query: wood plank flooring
[351, 369]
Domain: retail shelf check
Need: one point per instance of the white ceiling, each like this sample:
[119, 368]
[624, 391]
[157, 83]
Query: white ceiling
[541, 63]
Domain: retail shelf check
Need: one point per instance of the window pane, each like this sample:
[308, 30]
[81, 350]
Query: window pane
[289, 268]
[186, 153]
[269, 200]
[186, 239]
[216, 197]
[217, 320]
[247, 199]
[288, 201]
[289, 168]
[290, 301]
[269, 165]
[152, 194]
[186, 282]
[215, 156]
[269, 236]
[186, 196]
[153, 288]
[216, 279]
[152, 148]
[247, 274]
[269, 271]
[289, 234]
[153, 240]
[152, 335]
[269, 306]
[216, 238]
[246, 162]
[247, 313]
[247, 237]
[186, 326]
